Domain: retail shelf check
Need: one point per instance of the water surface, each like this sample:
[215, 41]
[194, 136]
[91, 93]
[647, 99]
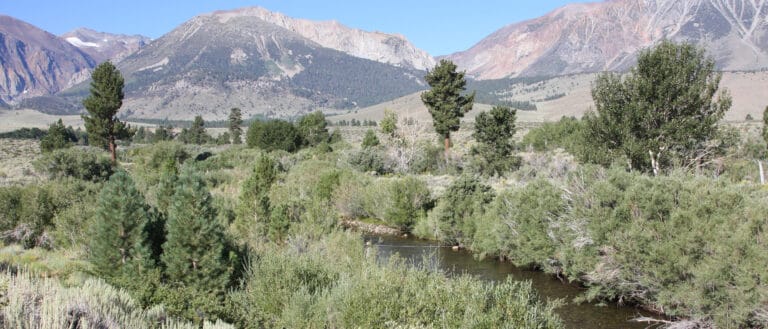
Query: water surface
[584, 315]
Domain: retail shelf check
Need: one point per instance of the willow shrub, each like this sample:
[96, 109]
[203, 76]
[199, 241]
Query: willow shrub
[690, 246]
[337, 283]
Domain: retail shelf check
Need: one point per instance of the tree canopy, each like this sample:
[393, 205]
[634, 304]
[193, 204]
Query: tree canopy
[235, 121]
[444, 101]
[663, 112]
[493, 132]
[106, 98]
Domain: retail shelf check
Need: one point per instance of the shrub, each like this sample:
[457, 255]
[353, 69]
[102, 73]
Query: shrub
[370, 139]
[369, 160]
[409, 199]
[453, 218]
[81, 162]
[274, 135]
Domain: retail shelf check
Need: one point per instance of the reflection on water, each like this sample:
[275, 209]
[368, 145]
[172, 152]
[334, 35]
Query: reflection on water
[584, 315]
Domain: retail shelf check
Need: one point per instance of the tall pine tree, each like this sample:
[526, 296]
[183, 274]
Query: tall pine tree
[106, 98]
[235, 125]
[194, 250]
[444, 101]
[118, 232]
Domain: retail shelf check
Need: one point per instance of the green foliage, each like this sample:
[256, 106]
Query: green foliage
[254, 206]
[370, 139]
[102, 104]
[24, 133]
[389, 123]
[194, 253]
[312, 128]
[410, 199]
[33, 302]
[29, 214]
[453, 219]
[493, 132]
[330, 284]
[119, 222]
[663, 112]
[444, 101]
[81, 163]
[58, 137]
[519, 223]
[369, 159]
[235, 125]
[274, 135]
[196, 133]
[765, 125]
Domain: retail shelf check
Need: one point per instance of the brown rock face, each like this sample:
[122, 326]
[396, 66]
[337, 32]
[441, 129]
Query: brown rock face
[34, 62]
[595, 37]
[105, 46]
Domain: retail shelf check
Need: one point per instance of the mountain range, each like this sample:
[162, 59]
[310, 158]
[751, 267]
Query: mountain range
[606, 36]
[270, 64]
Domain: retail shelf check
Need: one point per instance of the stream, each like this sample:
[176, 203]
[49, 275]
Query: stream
[583, 315]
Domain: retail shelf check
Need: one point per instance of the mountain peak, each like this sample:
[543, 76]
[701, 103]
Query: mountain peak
[382, 47]
[104, 46]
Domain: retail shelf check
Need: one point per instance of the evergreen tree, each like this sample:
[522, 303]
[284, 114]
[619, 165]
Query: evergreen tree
[493, 132]
[765, 125]
[444, 101]
[58, 137]
[163, 133]
[389, 122]
[106, 98]
[194, 250]
[313, 128]
[196, 133]
[663, 112]
[370, 139]
[274, 135]
[254, 206]
[235, 123]
[120, 219]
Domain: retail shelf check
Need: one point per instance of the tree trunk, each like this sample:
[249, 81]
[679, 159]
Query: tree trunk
[655, 162]
[112, 151]
[447, 142]
[762, 173]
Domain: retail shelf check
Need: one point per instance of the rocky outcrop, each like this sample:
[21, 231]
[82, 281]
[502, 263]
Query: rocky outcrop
[594, 37]
[386, 48]
[34, 62]
[105, 46]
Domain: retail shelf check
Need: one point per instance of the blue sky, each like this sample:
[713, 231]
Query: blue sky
[439, 27]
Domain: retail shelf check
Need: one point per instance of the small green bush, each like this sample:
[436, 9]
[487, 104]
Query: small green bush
[274, 135]
[369, 160]
[84, 163]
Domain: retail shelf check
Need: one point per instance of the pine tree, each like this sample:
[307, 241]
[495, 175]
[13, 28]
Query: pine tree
[194, 251]
[58, 137]
[106, 98]
[444, 101]
[765, 125]
[493, 132]
[120, 219]
[235, 123]
[254, 206]
[196, 133]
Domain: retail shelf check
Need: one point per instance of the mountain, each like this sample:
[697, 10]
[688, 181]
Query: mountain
[607, 35]
[221, 60]
[105, 46]
[34, 62]
[377, 46]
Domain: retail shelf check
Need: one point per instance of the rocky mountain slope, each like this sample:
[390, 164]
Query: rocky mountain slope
[377, 46]
[105, 46]
[34, 62]
[607, 35]
[228, 59]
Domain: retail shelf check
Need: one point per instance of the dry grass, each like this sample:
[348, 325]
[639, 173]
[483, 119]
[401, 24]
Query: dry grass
[747, 88]
[16, 157]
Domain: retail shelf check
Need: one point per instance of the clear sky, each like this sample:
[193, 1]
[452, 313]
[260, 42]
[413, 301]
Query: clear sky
[439, 27]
